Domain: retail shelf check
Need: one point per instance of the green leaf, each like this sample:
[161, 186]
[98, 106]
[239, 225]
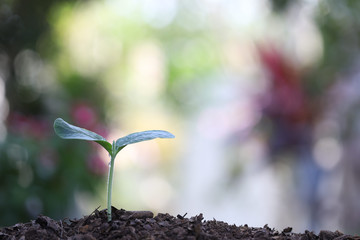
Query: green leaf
[141, 136]
[68, 131]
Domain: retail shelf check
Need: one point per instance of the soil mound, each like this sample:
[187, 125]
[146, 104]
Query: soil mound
[143, 225]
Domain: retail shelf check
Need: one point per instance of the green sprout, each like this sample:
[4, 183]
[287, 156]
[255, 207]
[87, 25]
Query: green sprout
[68, 131]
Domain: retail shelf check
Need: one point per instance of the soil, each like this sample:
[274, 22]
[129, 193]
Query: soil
[143, 225]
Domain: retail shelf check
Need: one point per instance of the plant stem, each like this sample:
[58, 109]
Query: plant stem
[109, 186]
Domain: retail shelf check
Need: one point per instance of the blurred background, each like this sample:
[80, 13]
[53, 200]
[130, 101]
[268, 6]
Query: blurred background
[263, 97]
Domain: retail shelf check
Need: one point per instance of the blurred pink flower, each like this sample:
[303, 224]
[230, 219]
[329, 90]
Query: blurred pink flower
[32, 126]
[83, 115]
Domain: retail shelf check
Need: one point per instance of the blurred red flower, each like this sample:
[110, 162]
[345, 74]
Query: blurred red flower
[286, 97]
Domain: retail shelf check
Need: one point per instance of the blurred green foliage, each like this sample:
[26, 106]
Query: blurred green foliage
[39, 173]
[48, 74]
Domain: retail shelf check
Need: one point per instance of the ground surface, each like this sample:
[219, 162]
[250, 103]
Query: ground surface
[143, 225]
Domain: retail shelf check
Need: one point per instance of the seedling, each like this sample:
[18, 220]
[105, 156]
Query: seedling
[68, 131]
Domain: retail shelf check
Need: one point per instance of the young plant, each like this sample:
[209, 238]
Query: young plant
[68, 131]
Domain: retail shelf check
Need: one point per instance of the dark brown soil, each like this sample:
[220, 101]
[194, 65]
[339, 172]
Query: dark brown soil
[143, 225]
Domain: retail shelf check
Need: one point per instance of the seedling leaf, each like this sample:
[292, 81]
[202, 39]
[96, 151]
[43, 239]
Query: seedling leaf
[68, 131]
[141, 136]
